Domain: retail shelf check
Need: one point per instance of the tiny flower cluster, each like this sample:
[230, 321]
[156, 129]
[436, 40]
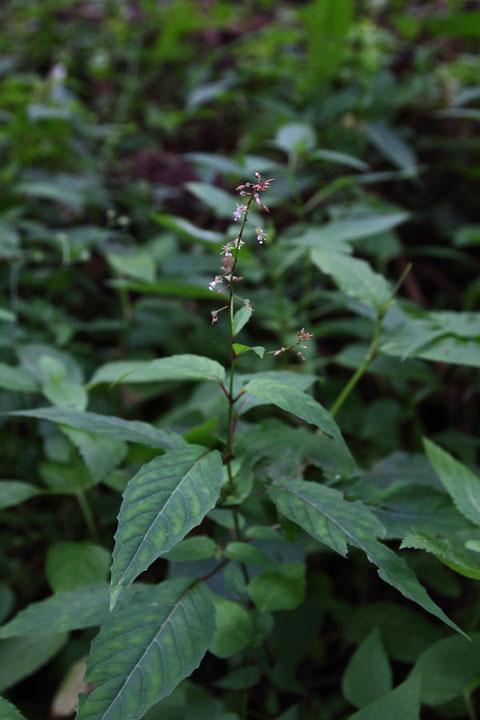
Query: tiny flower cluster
[253, 189]
[303, 337]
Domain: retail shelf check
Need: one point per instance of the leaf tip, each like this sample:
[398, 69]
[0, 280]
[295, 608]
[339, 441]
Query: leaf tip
[114, 593]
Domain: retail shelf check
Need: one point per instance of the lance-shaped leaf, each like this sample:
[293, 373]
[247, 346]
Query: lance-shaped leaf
[109, 425]
[166, 499]
[169, 369]
[293, 400]
[145, 649]
[323, 513]
[460, 483]
[83, 607]
[8, 711]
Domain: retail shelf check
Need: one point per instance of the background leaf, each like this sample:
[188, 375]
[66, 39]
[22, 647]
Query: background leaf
[368, 674]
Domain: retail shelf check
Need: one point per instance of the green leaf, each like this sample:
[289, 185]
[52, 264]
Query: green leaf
[8, 711]
[128, 430]
[281, 589]
[354, 277]
[240, 319]
[72, 564]
[323, 513]
[403, 701]
[340, 158]
[22, 656]
[452, 553]
[368, 674]
[448, 668]
[460, 483]
[221, 202]
[193, 548]
[145, 649]
[16, 379]
[295, 401]
[246, 553]
[335, 234]
[101, 454]
[173, 288]
[295, 138]
[234, 627]
[83, 607]
[326, 25]
[169, 369]
[188, 230]
[58, 388]
[393, 147]
[139, 265]
[240, 679]
[238, 349]
[166, 499]
[14, 492]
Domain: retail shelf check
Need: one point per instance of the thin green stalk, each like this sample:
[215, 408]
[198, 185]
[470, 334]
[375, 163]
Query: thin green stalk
[87, 515]
[472, 715]
[370, 354]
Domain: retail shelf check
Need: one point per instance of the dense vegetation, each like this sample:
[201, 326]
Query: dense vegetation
[298, 461]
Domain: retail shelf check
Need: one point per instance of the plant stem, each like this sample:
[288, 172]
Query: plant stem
[87, 515]
[472, 715]
[370, 354]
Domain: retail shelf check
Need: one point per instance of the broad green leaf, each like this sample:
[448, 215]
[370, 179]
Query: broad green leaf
[340, 158]
[354, 277]
[8, 711]
[238, 349]
[22, 656]
[240, 679]
[31, 354]
[72, 564]
[290, 399]
[139, 265]
[389, 142]
[324, 513]
[460, 483]
[240, 319]
[248, 554]
[100, 453]
[69, 610]
[234, 627]
[402, 702]
[127, 430]
[295, 138]
[197, 547]
[336, 234]
[221, 202]
[16, 379]
[169, 369]
[279, 589]
[452, 553]
[145, 649]
[368, 674]
[188, 230]
[448, 668]
[58, 388]
[7, 601]
[166, 499]
[14, 492]
[64, 479]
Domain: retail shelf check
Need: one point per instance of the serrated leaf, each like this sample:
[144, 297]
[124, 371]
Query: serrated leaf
[280, 589]
[323, 513]
[448, 668]
[101, 454]
[404, 699]
[22, 656]
[14, 492]
[368, 674]
[240, 319]
[114, 427]
[460, 483]
[83, 607]
[166, 499]
[290, 399]
[72, 564]
[144, 650]
[453, 554]
[8, 711]
[234, 627]
[354, 277]
[169, 369]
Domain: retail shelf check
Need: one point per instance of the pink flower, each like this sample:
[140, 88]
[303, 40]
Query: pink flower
[238, 212]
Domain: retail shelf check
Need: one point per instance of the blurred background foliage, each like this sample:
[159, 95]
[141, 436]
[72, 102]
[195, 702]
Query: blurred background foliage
[124, 128]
